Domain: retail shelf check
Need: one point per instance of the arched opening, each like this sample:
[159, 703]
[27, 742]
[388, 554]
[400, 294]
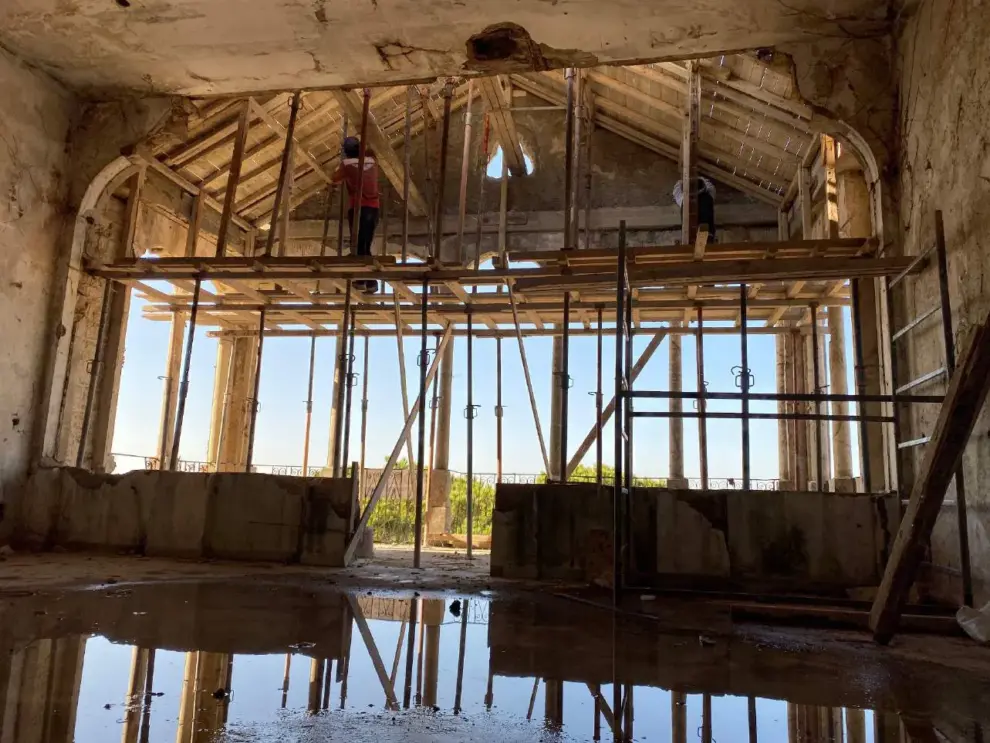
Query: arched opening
[495, 164]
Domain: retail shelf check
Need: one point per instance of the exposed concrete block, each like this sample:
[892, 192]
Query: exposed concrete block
[254, 520]
[234, 516]
[688, 542]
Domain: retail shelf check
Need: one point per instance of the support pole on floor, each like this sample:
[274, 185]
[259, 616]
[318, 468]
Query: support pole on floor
[702, 402]
[350, 381]
[341, 373]
[364, 410]
[410, 651]
[950, 365]
[564, 380]
[619, 453]
[706, 718]
[470, 413]
[401, 347]
[284, 175]
[461, 649]
[675, 405]
[860, 378]
[816, 377]
[309, 406]
[599, 400]
[568, 161]
[254, 395]
[678, 717]
[744, 381]
[751, 716]
[424, 357]
[180, 412]
[498, 409]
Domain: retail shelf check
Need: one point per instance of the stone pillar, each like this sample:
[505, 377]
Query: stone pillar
[337, 371]
[556, 408]
[842, 475]
[784, 472]
[201, 714]
[802, 452]
[170, 395]
[235, 428]
[41, 692]
[438, 502]
[855, 220]
[855, 725]
[105, 405]
[676, 425]
[221, 398]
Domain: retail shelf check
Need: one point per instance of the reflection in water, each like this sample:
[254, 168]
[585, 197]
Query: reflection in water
[192, 664]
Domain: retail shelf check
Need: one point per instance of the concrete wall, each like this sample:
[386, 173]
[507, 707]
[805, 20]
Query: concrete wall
[944, 163]
[757, 540]
[34, 126]
[232, 516]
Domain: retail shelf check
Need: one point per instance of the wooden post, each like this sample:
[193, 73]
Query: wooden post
[690, 128]
[364, 410]
[283, 175]
[529, 381]
[406, 175]
[961, 407]
[702, 402]
[400, 343]
[233, 178]
[465, 162]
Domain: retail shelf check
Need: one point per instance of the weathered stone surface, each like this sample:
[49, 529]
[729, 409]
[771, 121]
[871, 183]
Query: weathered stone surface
[234, 516]
[754, 539]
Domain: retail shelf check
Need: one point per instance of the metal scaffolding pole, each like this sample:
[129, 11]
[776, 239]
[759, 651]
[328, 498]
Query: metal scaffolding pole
[702, 403]
[364, 410]
[744, 382]
[498, 409]
[309, 406]
[254, 396]
[410, 651]
[421, 471]
[341, 374]
[564, 380]
[461, 649]
[465, 162]
[619, 437]
[349, 377]
[816, 380]
[233, 180]
[469, 412]
[599, 400]
[860, 374]
[180, 412]
[568, 159]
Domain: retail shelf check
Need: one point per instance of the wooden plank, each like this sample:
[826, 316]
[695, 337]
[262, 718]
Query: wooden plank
[503, 124]
[389, 163]
[230, 193]
[280, 130]
[961, 407]
[529, 381]
[131, 215]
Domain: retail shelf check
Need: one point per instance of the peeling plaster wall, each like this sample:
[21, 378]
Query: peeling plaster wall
[944, 163]
[34, 125]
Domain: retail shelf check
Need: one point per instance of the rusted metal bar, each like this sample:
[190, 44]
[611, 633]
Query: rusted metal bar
[442, 178]
[702, 394]
[421, 471]
[744, 381]
[180, 411]
[816, 376]
[283, 175]
[309, 406]
[359, 193]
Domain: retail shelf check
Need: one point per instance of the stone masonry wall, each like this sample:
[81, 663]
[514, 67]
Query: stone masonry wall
[943, 64]
[34, 126]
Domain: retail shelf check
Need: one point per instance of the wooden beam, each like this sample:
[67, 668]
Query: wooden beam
[388, 161]
[653, 142]
[529, 381]
[280, 130]
[503, 123]
[230, 194]
[960, 410]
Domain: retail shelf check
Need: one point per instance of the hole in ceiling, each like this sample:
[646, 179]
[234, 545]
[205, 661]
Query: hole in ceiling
[123, 3]
[498, 44]
[494, 169]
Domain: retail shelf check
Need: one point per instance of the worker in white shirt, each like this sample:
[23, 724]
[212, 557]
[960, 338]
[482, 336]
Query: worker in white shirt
[706, 203]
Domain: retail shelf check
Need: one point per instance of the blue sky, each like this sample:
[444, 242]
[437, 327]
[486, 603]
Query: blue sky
[285, 368]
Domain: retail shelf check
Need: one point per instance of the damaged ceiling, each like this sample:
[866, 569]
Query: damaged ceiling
[224, 47]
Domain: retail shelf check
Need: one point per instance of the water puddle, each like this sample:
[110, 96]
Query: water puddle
[259, 661]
